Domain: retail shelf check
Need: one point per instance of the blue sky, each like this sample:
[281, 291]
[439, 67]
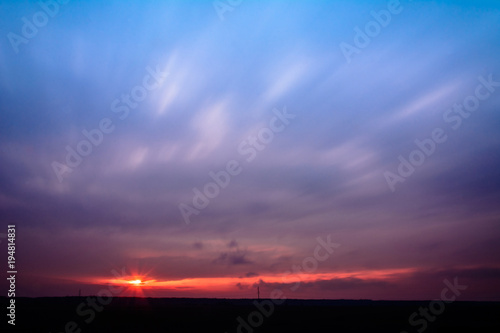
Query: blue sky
[323, 174]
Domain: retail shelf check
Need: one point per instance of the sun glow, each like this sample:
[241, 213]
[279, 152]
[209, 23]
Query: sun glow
[228, 283]
[141, 284]
[136, 282]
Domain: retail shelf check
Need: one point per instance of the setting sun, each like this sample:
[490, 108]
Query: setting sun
[136, 282]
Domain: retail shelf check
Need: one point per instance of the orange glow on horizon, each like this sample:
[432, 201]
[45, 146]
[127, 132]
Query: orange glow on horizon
[229, 283]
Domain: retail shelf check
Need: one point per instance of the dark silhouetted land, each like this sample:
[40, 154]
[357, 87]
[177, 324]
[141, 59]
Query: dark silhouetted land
[148, 315]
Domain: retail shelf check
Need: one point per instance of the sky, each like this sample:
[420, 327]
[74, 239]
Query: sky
[325, 149]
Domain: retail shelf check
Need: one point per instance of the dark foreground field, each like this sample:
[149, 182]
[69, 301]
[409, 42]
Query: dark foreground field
[145, 315]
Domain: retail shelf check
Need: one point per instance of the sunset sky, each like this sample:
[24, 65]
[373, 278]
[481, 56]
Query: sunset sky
[305, 140]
